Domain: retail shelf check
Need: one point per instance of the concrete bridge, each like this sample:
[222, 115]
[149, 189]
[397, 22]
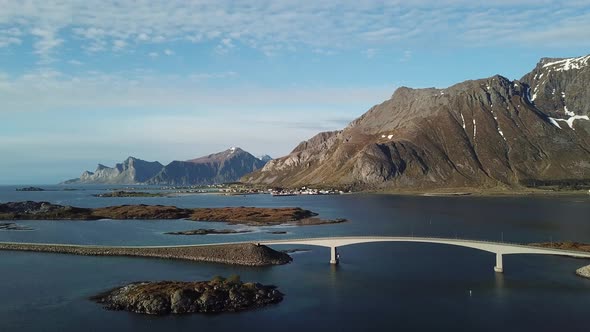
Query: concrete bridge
[498, 248]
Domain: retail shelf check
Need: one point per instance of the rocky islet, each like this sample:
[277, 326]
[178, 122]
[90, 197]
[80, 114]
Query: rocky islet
[247, 254]
[175, 297]
[255, 216]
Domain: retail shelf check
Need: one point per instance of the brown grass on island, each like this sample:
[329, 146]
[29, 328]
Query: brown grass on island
[566, 245]
[141, 211]
[236, 215]
[252, 215]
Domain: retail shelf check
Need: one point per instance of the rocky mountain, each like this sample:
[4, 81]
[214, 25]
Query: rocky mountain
[486, 133]
[130, 171]
[222, 167]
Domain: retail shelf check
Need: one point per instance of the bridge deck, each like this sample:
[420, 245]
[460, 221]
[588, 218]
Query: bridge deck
[489, 246]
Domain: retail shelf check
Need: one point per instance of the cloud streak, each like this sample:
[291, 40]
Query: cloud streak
[49, 90]
[281, 26]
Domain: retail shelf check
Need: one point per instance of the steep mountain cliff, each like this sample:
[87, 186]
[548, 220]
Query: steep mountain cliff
[131, 171]
[487, 133]
[226, 166]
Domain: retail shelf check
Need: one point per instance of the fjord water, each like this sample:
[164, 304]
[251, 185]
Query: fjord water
[379, 286]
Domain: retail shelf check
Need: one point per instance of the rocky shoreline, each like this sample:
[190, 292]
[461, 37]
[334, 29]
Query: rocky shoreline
[566, 245]
[247, 254]
[253, 216]
[177, 297]
[584, 271]
[30, 189]
[569, 245]
[123, 193]
[10, 226]
[203, 231]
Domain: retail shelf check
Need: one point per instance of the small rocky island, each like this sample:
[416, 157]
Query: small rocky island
[205, 231]
[123, 193]
[10, 226]
[247, 254]
[175, 297]
[566, 245]
[584, 271]
[30, 189]
[253, 216]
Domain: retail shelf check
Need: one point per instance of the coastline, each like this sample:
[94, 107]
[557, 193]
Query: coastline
[252, 216]
[584, 272]
[247, 254]
[471, 192]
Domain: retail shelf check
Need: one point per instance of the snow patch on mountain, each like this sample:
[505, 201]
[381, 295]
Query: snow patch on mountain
[568, 64]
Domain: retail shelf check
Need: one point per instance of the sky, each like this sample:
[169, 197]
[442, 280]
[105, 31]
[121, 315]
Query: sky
[87, 82]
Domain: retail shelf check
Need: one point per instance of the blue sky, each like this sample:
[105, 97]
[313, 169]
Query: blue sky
[83, 82]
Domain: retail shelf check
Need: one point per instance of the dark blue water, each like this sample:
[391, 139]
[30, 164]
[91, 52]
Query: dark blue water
[377, 287]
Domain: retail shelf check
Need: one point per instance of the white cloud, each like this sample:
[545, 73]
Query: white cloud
[7, 41]
[11, 36]
[407, 56]
[290, 24]
[55, 114]
[118, 45]
[50, 90]
[370, 52]
[148, 136]
[46, 41]
[168, 52]
[224, 46]
[322, 51]
[75, 62]
[153, 54]
[143, 37]
[207, 76]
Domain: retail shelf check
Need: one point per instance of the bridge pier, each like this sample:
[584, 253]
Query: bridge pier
[334, 256]
[499, 268]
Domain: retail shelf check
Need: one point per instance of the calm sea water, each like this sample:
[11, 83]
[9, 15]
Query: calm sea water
[377, 287]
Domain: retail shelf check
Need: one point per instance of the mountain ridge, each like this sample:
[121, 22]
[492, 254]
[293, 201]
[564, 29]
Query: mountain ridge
[131, 171]
[225, 166]
[484, 133]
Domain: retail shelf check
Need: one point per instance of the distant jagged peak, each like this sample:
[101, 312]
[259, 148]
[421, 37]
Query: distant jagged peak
[565, 64]
[408, 93]
[128, 162]
[229, 153]
[265, 158]
[234, 149]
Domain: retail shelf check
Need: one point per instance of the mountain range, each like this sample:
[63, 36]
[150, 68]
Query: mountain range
[485, 133]
[222, 167]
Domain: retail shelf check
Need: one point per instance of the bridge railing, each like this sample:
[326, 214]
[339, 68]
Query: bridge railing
[394, 236]
[434, 238]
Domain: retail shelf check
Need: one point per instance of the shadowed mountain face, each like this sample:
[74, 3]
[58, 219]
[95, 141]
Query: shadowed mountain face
[226, 166]
[490, 133]
[131, 171]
